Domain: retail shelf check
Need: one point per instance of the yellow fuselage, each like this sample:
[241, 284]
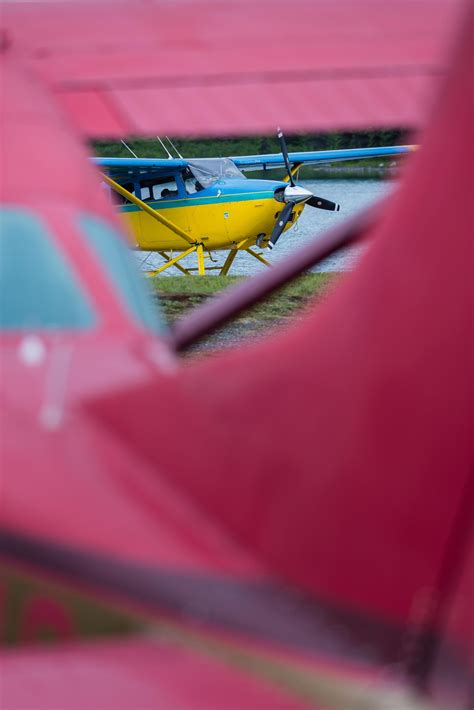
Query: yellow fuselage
[223, 222]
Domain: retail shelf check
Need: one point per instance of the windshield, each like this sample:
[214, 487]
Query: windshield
[208, 171]
[38, 288]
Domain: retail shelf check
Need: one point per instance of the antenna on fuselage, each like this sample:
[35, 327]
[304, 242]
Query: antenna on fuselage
[128, 148]
[165, 148]
[174, 148]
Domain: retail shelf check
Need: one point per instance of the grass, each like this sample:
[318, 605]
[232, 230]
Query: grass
[178, 294]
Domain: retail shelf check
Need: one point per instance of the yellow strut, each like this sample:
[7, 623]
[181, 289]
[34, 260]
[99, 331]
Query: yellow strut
[259, 257]
[171, 262]
[242, 245]
[200, 256]
[178, 266]
[293, 171]
[146, 208]
[228, 262]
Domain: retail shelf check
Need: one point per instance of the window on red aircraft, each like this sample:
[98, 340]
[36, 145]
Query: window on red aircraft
[39, 289]
[122, 269]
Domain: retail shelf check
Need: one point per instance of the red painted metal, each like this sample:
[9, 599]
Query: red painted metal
[133, 673]
[204, 66]
[358, 421]
[324, 473]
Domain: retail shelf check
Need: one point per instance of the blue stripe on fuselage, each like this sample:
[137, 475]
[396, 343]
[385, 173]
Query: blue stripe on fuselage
[225, 191]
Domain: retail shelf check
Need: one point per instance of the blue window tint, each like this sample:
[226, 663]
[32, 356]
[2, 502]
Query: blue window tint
[38, 288]
[122, 269]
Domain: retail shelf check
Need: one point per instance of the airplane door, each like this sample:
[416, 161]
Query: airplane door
[209, 217]
[170, 203]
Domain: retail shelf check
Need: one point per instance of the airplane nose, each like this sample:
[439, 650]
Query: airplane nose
[295, 193]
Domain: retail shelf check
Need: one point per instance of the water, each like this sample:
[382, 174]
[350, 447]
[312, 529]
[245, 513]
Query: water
[352, 195]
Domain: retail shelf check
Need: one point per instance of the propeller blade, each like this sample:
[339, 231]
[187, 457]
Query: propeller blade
[323, 204]
[284, 151]
[281, 224]
[314, 200]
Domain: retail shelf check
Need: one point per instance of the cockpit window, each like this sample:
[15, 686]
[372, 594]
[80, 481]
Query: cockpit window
[118, 262]
[158, 188]
[208, 171]
[38, 288]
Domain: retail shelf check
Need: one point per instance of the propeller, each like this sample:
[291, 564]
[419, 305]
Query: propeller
[293, 194]
[282, 221]
[284, 151]
[323, 204]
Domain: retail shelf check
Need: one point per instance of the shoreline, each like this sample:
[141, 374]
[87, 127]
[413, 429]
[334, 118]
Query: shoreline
[354, 172]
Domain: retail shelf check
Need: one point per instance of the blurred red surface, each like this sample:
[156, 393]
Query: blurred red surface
[203, 67]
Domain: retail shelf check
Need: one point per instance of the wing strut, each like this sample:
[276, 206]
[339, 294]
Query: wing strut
[149, 210]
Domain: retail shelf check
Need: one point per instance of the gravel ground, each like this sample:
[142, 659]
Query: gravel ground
[234, 334]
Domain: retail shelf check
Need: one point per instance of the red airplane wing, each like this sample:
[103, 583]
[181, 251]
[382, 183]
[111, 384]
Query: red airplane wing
[204, 67]
[355, 481]
[361, 549]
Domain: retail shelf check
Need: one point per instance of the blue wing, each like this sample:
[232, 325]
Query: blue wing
[275, 160]
[128, 169]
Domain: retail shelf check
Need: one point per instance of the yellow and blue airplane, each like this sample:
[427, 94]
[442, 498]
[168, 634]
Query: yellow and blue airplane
[177, 207]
